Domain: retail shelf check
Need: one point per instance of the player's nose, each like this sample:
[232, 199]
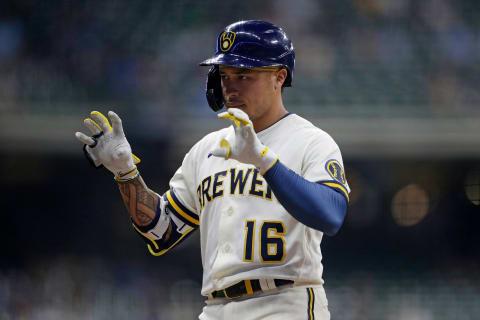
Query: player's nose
[229, 90]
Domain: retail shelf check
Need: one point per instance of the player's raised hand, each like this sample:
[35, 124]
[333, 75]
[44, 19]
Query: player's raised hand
[108, 146]
[244, 146]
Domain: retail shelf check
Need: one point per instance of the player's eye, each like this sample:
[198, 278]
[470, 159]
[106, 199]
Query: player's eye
[243, 77]
[223, 77]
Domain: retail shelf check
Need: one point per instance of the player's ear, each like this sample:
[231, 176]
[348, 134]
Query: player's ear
[280, 77]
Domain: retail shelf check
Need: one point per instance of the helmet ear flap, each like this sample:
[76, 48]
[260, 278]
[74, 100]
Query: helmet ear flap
[214, 89]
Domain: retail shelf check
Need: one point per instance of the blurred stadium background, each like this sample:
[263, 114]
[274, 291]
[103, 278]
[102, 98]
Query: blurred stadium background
[395, 82]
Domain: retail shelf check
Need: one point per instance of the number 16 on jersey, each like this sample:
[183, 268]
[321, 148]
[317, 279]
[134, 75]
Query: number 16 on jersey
[271, 242]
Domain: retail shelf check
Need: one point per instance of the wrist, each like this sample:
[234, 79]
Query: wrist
[128, 175]
[266, 160]
[122, 168]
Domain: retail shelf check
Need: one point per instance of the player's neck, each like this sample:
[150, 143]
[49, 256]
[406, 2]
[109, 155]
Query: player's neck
[274, 114]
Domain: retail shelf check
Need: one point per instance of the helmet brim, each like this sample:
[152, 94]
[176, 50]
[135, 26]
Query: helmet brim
[239, 61]
[235, 60]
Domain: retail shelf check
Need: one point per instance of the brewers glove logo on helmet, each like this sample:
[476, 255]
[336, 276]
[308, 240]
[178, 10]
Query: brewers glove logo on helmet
[226, 40]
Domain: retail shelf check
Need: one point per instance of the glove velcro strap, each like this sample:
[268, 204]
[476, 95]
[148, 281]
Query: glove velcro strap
[127, 176]
[89, 158]
[267, 159]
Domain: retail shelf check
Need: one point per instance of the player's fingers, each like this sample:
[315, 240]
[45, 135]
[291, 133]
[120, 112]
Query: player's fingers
[116, 123]
[92, 126]
[240, 115]
[101, 120]
[227, 116]
[223, 150]
[234, 122]
[84, 138]
[248, 133]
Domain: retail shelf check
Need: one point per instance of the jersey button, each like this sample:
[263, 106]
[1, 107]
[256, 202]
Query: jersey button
[226, 248]
[230, 211]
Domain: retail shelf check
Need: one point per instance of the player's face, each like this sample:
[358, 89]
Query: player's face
[255, 92]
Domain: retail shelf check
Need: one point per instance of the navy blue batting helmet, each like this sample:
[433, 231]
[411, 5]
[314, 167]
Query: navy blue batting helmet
[248, 44]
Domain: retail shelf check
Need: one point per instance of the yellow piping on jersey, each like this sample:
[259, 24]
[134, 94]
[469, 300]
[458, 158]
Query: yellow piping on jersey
[156, 245]
[310, 304]
[337, 185]
[180, 211]
[173, 245]
[146, 236]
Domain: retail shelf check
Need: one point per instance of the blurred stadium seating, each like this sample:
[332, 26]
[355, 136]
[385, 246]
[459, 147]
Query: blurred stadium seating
[373, 61]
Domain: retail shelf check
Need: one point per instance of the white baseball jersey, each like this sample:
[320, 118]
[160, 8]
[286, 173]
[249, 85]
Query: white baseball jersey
[245, 232]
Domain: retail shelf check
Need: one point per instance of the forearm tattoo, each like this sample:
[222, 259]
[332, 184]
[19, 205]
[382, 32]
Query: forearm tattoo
[140, 201]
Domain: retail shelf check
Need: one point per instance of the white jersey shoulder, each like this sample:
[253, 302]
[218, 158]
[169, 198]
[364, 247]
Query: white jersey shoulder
[306, 149]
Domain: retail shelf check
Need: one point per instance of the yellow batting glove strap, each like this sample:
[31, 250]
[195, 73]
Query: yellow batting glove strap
[227, 115]
[136, 160]
[127, 176]
[264, 151]
[225, 144]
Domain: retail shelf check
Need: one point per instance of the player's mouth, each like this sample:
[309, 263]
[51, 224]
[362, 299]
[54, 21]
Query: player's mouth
[234, 104]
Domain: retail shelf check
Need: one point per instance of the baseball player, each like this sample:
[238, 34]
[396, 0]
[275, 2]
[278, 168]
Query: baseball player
[262, 191]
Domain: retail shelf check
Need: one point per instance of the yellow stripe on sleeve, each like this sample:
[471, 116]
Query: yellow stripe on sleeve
[339, 186]
[152, 251]
[263, 173]
[173, 245]
[146, 236]
[180, 211]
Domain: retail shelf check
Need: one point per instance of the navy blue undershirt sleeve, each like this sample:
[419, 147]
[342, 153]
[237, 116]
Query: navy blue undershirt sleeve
[315, 205]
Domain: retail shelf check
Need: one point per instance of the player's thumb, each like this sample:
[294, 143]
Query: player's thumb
[223, 150]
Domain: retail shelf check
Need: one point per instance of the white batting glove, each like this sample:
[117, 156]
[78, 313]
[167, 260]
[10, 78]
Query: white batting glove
[244, 146]
[108, 146]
